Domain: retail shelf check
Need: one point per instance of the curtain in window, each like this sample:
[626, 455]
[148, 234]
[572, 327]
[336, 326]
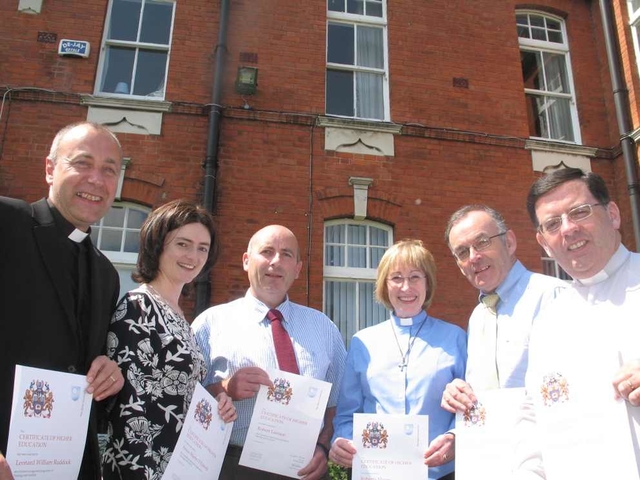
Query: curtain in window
[369, 95]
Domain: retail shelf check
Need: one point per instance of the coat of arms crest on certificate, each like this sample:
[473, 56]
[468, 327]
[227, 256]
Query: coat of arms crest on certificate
[475, 416]
[281, 392]
[38, 400]
[375, 436]
[203, 413]
[555, 389]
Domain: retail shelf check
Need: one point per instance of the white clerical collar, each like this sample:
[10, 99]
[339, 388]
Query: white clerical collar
[612, 266]
[77, 235]
[405, 322]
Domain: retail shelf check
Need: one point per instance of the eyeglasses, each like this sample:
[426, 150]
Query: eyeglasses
[482, 243]
[576, 214]
[398, 280]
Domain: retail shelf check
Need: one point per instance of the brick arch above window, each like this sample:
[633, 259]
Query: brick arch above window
[337, 202]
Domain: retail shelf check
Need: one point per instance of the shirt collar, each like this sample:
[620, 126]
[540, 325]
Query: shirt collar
[66, 227]
[613, 265]
[408, 322]
[259, 309]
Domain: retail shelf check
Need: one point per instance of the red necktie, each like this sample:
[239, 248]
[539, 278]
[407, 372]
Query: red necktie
[282, 343]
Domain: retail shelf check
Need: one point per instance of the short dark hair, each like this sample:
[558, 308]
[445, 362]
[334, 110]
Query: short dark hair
[546, 183]
[463, 211]
[157, 226]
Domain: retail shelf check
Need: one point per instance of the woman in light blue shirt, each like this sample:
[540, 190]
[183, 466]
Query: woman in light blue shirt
[402, 365]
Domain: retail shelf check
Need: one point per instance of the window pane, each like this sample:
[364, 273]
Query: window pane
[125, 17]
[555, 37]
[374, 9]
[340, 48]
[132, 242]
[126, 282]
[635, 4]
[357, 257]
[536, 20]
[340, 93]
[334, 256]
[378, 236]
[369, 95]
[355, 6]
[538, 125]
[335, 233]
[111, 240]
[156, 22]
[340, 305]
[114, 217]
[376, 256]
[370, 312]
[136, 218]
[150, 72]
[118, 69]
[560, 119]
[357, 235]
[532, 69]
[539, 34]
[336, 5]
[522, 20]
[370, 51]
[523, 32]
[553, 24]
[556, 73]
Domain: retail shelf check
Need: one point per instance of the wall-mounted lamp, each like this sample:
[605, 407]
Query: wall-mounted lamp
[247, 80]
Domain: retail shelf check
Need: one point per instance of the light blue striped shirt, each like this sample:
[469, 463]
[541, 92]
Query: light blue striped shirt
[237, 334]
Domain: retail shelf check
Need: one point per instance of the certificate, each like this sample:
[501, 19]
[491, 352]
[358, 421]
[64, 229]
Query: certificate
[485, 444]
[203, 441]
[286, 421]
[49, 421]
[390, 447]
[586, 433]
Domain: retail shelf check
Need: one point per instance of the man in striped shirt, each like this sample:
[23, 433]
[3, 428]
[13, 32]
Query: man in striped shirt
[237, 342]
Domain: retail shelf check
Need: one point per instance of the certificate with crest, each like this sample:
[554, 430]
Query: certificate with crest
[49, 421]
[390, 447]
[203, 441]
[285, 425]
[485, 444]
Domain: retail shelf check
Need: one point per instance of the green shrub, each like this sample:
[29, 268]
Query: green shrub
[336, 472]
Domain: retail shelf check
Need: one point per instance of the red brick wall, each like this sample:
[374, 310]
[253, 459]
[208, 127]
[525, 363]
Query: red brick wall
[273, 167]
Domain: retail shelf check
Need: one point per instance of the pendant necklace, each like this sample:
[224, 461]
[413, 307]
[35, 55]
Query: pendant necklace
[405, 356]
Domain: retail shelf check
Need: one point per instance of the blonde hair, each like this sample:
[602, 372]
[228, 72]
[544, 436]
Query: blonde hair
[409, 252]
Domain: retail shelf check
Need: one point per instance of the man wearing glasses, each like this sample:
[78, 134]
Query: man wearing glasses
[510, 299]
[585, 345]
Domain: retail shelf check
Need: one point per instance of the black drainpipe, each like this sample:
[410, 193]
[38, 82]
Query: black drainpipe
[621, 99]
[203, 285]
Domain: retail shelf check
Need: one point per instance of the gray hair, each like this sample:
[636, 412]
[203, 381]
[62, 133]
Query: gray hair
[462, 212]
[55, 145]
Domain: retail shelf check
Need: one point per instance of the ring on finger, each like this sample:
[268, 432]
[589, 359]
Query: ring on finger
[112, 379]
[444, 456]
[631, 387]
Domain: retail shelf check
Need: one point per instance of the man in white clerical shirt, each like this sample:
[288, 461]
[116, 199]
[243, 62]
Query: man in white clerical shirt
[485, 250]
[581, 417]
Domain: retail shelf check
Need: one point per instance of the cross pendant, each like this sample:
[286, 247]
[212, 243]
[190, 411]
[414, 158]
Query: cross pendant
[402, 366]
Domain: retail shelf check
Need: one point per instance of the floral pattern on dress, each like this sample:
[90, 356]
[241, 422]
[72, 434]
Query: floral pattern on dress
[161, 363]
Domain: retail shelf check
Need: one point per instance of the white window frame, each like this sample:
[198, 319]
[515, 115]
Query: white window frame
[352, 274]
[134, 45]
[124, 262]
[369, 21]
[532, 45]
[634, 24]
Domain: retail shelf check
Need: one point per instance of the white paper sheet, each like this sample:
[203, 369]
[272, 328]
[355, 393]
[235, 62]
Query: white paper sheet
[49, 420]
[390, 447]
[485, 435]
[285, 424]
[203, 441]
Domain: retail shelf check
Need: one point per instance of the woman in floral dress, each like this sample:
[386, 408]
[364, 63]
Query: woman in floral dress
[153, 344]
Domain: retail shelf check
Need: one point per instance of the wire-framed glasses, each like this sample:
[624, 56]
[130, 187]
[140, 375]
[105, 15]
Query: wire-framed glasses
[481, 243]
[576, 214]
